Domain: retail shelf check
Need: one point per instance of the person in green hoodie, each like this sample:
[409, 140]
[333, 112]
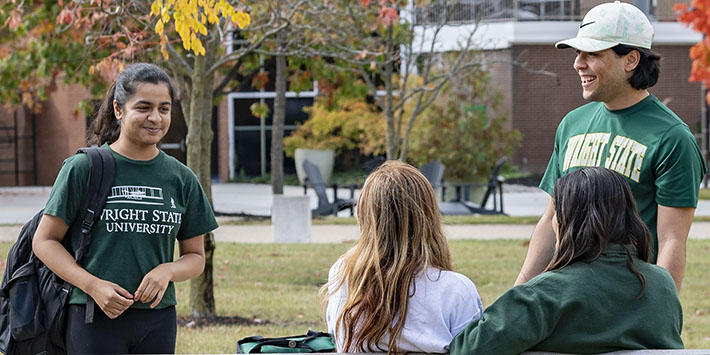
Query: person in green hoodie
[599, 293]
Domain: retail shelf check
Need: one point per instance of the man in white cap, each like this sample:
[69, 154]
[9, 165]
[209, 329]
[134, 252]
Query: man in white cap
[625, 129]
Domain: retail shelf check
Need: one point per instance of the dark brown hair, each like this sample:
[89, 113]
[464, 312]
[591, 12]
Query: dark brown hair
[105, 128]
[595, 208]
[649, 68]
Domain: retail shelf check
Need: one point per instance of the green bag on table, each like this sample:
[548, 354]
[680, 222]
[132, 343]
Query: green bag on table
[313, 342]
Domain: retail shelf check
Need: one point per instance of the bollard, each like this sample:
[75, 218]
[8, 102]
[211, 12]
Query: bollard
[291, 219]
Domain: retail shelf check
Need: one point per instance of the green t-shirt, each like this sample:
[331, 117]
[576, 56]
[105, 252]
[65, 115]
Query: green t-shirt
[152, 203]
[646, 143]
[584, 308]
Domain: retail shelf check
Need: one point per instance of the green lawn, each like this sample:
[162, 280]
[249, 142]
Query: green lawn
[467, 219]
[278, 284]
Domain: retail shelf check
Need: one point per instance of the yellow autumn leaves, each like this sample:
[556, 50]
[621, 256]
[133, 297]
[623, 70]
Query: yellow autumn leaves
[190, 18]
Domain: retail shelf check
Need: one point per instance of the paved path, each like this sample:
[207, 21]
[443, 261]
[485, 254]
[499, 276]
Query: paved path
[17, 205]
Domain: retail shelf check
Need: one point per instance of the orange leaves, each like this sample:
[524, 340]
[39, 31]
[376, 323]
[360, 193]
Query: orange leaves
[387, 15]
[697, 16]
[260, 80]
[14, 21]
[65, 17]
[108, 68]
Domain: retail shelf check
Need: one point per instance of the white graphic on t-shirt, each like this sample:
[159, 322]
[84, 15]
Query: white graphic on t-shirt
[140, 195]
[624, 155]
[130, 220]
[172, 203]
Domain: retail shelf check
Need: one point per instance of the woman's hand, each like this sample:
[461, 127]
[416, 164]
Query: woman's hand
[110, 297]
[154, 284]
[190, 264]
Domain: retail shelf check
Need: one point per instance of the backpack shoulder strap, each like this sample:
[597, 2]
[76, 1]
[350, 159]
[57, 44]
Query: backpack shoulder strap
[103, 171]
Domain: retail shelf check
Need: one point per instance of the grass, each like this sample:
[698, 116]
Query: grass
[704, 194]
[329, 220]
[278, 285]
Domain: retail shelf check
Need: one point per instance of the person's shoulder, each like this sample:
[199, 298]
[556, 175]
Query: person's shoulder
[584, 109]
[552, 281]
[77, 164]
[664, 114]
[170, 163]
[335, 269]
[651, 271]
[449, 280]
[581, 113]
[77, 160]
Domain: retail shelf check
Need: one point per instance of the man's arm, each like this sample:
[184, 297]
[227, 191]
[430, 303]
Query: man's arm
[673, 225]
[541, 248]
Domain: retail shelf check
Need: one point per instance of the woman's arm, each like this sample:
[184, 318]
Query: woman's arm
[190, 264]
[47, 245]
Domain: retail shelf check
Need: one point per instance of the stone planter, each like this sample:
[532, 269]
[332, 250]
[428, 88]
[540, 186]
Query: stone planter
[291, 219]
[323, 159]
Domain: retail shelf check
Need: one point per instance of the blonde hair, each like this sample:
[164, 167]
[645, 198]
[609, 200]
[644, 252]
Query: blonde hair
[401, 236]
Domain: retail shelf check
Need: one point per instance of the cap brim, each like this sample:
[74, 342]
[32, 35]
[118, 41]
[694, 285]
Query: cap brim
[585, 44]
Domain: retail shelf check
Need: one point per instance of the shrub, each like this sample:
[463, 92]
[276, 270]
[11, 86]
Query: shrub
[464, 130]
[351, 123]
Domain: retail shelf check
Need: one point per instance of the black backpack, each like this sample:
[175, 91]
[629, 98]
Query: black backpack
[33, 299]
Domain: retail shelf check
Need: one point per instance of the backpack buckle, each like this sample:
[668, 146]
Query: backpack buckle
[88, 221]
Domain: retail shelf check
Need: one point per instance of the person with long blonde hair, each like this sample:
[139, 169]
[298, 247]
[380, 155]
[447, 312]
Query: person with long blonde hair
[397, 282]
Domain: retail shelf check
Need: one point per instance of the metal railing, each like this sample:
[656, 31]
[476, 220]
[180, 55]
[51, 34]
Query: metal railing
[471, 11]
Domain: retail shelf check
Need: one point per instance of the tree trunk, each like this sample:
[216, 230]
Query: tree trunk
[277, 130]
[199, 145]
[392, 128]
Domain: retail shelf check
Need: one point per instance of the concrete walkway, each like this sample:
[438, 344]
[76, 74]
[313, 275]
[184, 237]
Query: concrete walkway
[18, 204]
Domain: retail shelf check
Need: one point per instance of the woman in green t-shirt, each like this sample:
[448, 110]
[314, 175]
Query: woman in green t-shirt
[598, 294]
[128, 270]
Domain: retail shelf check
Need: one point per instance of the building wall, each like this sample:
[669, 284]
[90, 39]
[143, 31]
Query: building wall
[60, 131]
[501, 70]
[541, 101]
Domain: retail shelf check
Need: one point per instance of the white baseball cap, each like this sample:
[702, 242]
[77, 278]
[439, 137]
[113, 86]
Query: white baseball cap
[611, 24]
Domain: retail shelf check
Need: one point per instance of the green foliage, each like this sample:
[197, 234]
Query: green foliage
[350, 124]
[464, 130]
[34, 50]
[259, 110]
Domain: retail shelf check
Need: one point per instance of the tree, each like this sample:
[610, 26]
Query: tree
[400, 65]
[697, 16]
[464, 129]
[101, 35]
[288, 41]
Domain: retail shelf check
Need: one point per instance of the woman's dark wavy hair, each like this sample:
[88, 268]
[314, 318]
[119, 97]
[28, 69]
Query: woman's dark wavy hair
[646, 73]
[595, 208]
[105, 128]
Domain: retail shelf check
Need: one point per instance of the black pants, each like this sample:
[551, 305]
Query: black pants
[136, 331]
